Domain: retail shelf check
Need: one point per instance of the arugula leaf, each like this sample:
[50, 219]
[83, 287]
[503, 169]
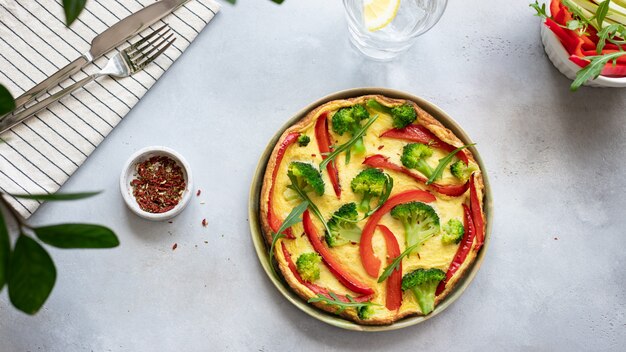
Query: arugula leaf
[594, 68]
[396, 262]
[31, 275]
[443, 162]
[73, 8]
[381, 201]
[303, 195]
[541, 9]
[341, 305]
[7, 103]
[609, 33]
[56, 196]
[294, 217]
[77, 236]
[5, 250]
[574, 25]
[601, 12]
[348, 144]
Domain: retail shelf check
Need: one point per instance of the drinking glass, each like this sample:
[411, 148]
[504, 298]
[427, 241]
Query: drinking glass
[413, 18]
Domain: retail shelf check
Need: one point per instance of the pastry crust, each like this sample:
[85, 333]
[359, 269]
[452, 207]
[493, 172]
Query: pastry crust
[423, 118]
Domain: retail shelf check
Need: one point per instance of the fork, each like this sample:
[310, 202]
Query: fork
[124, 64]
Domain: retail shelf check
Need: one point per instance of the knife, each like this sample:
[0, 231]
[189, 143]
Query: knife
[103, 43]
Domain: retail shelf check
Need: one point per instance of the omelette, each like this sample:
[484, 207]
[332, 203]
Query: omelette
[388, 209]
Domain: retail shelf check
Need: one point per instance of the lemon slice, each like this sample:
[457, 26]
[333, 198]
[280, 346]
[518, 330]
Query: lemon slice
[379, 13]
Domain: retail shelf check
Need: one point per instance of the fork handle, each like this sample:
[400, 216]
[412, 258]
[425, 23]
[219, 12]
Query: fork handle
[14, 119]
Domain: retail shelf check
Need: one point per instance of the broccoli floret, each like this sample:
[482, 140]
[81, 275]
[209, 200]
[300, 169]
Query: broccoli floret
[303, 140]
[402, 115]
[423, 283]
[308, 266]
[365, 312]
[461, 170]
[453, 232]
[307, 177]
[414, 157]
[341, 230]
[369, 183]
[349, 120]
[420, 221]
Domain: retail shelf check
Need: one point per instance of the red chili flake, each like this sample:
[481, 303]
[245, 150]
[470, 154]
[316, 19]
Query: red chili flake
[380, 147]
[313, 155]
[175, 246]
[204, 222]
[159, 184]
[198, 193]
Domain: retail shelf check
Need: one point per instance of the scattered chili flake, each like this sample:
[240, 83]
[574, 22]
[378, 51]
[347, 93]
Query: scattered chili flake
[556, 238]
[174, 246]
[313, 155]
[198, 193]
[204, 223]
[380, 147]
[159, 184]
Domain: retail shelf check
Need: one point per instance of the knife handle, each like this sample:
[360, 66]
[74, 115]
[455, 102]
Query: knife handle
[50, 82]
[22, 115]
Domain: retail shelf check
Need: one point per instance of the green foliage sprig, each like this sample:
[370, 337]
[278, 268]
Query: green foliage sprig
[27, 268]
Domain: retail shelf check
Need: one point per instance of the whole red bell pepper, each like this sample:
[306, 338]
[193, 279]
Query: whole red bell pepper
[380, 161]
[421, 134]
[272, 219]
[316, 288]
[462, 251]
[333, 265]
[369, 260]
[477, 214]
[394, 281]
[323, 143]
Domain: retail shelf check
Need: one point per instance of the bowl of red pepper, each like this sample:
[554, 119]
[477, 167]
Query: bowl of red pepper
[156, 183]
[586, 40]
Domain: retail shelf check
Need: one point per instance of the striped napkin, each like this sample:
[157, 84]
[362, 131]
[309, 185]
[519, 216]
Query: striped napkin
[42, 153]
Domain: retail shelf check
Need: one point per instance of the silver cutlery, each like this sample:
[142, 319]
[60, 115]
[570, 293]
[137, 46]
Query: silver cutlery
[125, 63]
[101, 44]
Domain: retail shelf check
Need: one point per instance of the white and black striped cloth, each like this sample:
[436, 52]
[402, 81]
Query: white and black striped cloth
[40, 154]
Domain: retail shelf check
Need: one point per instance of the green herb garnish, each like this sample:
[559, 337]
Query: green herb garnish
[339, 304]
[342, 148]
[294, 217]
[443, 162]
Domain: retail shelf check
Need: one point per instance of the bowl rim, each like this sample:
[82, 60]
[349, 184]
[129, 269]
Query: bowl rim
[127, 174]
[259, 241]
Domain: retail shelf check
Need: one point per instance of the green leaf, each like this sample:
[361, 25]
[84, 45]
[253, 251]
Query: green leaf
[73, 8]
[294, 217]
[594, 68]
[396, 262]
[31, 275]
[574, 25]
[601, 11]
[56, 196]
[5, 250]
[443, 162]
[231, 1]
[340, 149]
[278, 1]
[77, 236]
[541, 9]
[7, 103]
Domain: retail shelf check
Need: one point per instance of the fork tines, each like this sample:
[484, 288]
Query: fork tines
[143, 52]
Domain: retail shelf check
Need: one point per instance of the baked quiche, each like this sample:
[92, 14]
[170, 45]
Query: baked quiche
[372, 209]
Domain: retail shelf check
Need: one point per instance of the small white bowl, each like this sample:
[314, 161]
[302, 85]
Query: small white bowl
[560, 59]
[129, 173]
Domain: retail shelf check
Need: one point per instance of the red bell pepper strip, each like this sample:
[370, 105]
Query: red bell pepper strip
[394, 281]
[383, 162]
[316, 288]
[569, 39]
[555, 8]
[578, 61]
[421, 134]
[609, 70]
[462, 251]
[272, 219]
[333, 265]
[323, 143]
[620, 60]
[369, 260]
[477, 214]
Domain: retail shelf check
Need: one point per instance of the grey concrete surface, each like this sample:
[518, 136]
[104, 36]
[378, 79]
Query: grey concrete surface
[553, 279]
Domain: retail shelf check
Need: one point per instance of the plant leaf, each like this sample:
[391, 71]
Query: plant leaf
[5, 250]
[278, 1]
[601, 12]
[7, 103]
[338, 150]
[73, 8]
[56, 196]
[31, 275]
[77, 236]
[443, 162]
[294, 217]
[594, 68]
[396, 262]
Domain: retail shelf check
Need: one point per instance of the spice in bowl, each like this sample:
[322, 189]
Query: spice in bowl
[159, 184]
